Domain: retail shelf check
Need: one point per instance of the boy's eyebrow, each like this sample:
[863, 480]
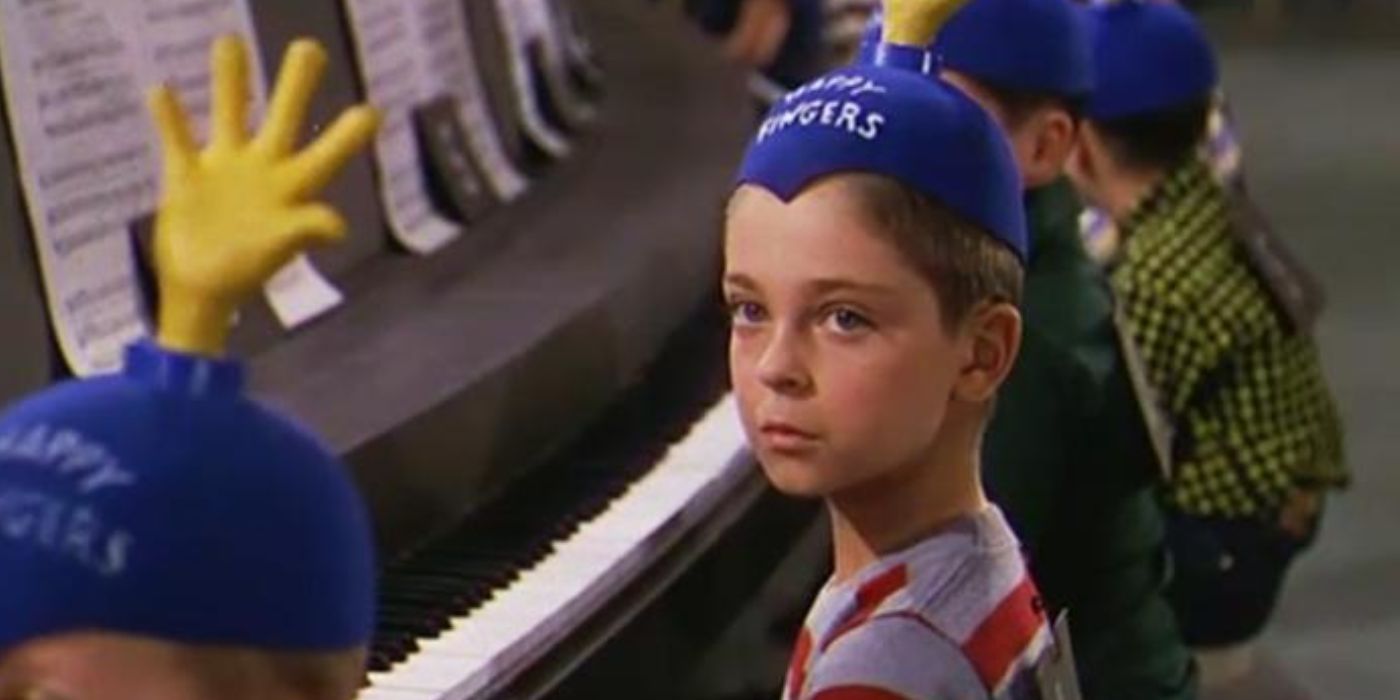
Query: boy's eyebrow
[817, 287]
[827, 286]
[739, 279]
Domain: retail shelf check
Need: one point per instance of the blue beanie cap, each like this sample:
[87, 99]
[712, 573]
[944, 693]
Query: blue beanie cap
[893, 118]
[1149, 55]
[1035, 45]
[161, 502]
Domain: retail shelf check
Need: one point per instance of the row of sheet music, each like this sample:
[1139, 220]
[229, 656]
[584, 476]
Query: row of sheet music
[75, 73]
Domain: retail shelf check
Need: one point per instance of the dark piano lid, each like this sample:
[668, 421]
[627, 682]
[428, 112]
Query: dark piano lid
[442, 377]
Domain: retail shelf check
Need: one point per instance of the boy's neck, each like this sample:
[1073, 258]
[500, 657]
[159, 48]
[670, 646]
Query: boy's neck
[876, 519]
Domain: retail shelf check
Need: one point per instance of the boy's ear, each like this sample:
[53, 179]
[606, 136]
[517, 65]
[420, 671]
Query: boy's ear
[1090, 149]
[993, 336]
[1083, 166]
[1054, 143]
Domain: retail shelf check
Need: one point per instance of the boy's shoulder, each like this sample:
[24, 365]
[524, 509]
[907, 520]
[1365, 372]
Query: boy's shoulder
[894, 656]
[1194, 266]
[963, 621]
[987, 607]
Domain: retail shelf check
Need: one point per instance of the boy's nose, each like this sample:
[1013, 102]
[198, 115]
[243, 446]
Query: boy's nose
[782, 366]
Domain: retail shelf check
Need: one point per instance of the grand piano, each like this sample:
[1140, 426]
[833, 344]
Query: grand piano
[538, 414]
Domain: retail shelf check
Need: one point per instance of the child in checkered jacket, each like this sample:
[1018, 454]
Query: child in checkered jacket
[1253, 435]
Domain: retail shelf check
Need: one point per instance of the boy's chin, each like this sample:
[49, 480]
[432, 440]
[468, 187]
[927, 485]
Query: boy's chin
[795, 479]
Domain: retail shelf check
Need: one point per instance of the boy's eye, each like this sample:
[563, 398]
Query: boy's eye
[846, 320]
[745, 313]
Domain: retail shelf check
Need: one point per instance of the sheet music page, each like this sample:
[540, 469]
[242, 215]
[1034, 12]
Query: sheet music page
[387, 48]
[575, 44]
[541, 25]
[73, 90]
[539, 22]
[452, 69]
[515, 29]
[178, 35]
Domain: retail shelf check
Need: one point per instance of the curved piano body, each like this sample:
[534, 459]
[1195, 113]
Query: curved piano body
[539, 406]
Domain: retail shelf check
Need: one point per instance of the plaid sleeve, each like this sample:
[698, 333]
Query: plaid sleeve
[1175, 349]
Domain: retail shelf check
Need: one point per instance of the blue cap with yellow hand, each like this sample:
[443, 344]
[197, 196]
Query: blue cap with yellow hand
[234, 213]
[167, 493]
[894, 117]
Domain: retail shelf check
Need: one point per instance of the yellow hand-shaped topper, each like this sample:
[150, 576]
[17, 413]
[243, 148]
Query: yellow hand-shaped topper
[234, 213]
[915, 22]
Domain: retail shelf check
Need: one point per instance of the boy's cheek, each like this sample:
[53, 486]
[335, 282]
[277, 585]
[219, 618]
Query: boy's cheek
[746, 392]
[743, 368]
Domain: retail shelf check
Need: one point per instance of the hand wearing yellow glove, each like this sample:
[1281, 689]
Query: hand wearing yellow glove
[915, 22]
[233, 214]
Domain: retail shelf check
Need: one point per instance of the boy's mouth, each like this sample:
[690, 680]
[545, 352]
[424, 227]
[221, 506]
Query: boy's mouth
[785, 437]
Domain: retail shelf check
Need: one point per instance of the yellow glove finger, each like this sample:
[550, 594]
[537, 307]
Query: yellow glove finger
[315, 165]
[302, 68]
[309, 225]
[915, 22]
[177, 146]
[229, 111]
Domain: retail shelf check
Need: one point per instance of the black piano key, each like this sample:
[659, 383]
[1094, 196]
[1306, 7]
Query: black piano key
[461, 595]
[391, 611]
[414, 618]
[379, 662]
[466, 573]
[392, 646]
[417, 625]
[448, 601]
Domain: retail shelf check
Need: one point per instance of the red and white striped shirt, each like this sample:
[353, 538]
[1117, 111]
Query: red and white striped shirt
[955, 616]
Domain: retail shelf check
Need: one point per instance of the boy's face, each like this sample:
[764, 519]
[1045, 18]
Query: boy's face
[97, 667]
[1041, 141]
[838, 354]
[107, 666]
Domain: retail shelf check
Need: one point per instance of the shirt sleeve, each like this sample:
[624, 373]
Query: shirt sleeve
[1175, 348]
[894, 657]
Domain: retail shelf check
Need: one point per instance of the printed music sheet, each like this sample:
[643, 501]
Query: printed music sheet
[452, 70]
[515, 27]
[543, 25]
[387, 48]
[73, 89]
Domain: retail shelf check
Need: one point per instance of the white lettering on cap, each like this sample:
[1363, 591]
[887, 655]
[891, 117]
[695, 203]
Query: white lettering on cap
[842, 115]
[68, 530]
[68, 453]
[841, 83]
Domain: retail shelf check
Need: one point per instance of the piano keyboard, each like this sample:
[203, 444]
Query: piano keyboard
[467, 616]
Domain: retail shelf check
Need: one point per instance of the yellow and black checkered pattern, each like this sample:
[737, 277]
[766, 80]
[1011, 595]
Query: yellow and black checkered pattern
[1253, 416]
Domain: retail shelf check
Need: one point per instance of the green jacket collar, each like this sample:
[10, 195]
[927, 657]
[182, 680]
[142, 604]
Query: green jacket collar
[1052, 213]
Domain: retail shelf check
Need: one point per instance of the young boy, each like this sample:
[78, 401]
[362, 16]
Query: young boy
[1221, 149]
[873, 260]
[1067, 454]
[1257, 439]
[163, 536]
